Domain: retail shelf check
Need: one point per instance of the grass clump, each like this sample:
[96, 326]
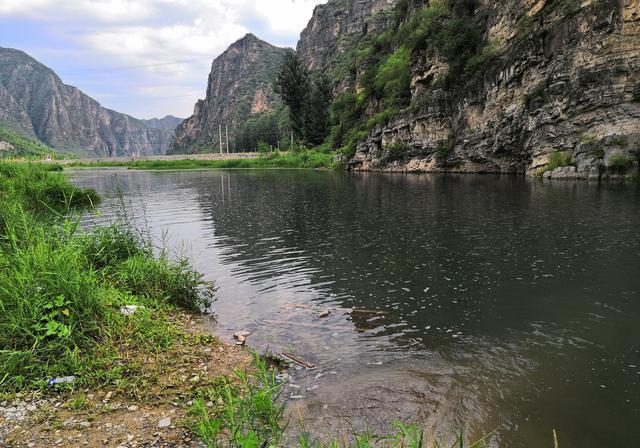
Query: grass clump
[558, 159]
[395, 151]
[619, 162]
[248, 413]
[61, 289]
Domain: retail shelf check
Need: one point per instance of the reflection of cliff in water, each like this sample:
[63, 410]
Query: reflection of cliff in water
[464, 301]
[477, 254]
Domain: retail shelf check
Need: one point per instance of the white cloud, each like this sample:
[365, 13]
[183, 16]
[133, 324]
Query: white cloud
[165, 43]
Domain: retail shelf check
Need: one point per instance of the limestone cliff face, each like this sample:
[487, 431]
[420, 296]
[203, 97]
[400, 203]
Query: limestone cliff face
[240, 85]
[334, 26]
[36, 103]
[570, 83]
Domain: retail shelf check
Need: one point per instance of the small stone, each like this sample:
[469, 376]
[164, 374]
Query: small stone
[85, 424]
[164, 423]
[132, 408]
[108, 396]
[241, 335]
[129, 437]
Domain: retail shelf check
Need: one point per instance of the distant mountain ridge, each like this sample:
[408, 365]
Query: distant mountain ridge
[35, 103]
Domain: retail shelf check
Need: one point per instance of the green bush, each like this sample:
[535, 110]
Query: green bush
[393, 79]
[444, 149]
[618, 140]
[61, 289]
[618, 162]
[559, 159]
[395, 150]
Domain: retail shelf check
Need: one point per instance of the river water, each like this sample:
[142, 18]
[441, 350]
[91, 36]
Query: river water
[458, 302]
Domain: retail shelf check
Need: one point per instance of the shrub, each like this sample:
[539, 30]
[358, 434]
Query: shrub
[617, 140]
[559, 159]
[393, 78]
[395, 151]
[164, 281]
[444, 149]
[618, 162]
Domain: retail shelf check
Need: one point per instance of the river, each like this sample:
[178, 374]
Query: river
[459, 302]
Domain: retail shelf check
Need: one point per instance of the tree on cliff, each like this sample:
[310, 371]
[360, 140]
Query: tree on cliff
[293, 85]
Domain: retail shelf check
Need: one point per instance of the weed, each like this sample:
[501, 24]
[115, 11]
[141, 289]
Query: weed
[62, 289]
[559, 159]
[617, 140]
[619, 163]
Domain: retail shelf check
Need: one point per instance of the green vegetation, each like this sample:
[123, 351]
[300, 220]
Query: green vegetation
[382, 66]
[619, 162]
[269, 128]
[617, 140]
[559, 159]
[19, 146]
[444, 150]
[307, 97]
[62, 289]
[248, 412]
[313, 159]
[588, 139]
[395, 151]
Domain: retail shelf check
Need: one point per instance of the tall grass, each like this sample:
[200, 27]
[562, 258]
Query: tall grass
[61, 289]
[301, 159]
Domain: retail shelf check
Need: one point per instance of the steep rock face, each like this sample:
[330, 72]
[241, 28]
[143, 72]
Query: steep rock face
[240, 85]
[334, 26]
[570, 84]
[37, 104]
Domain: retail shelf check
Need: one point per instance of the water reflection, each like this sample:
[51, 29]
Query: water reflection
[477, 301]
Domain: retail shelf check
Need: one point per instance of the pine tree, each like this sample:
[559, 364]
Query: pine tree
[317, 110]
[293, 85]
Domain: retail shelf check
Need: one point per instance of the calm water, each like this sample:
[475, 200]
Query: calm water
[474, 302]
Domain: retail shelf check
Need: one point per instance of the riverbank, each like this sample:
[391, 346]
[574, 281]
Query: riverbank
[301, 159]
[98, 346]
[101, 343]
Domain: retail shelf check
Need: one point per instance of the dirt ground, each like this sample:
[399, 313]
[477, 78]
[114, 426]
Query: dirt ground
[152, 412]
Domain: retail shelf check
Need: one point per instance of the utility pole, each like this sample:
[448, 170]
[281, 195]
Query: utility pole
[220, 132]
[291, 148]
[226, 128]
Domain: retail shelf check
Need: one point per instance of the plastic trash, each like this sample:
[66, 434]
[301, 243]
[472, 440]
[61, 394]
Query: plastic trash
[128, 310]
[62, 380]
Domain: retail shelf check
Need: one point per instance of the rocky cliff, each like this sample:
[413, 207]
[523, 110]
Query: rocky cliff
[545, 81]
[336, 26]
[37, 104]
[239, 87]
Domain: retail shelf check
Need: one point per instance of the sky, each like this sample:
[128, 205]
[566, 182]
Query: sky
[146, 58]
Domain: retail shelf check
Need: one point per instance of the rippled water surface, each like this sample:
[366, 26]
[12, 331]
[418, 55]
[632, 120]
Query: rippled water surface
[476, 302]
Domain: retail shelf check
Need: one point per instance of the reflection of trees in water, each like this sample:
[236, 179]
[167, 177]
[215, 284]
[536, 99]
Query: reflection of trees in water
[456, 253]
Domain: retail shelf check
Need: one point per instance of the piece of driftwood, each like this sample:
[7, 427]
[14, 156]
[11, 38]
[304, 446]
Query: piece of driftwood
[297, 360]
